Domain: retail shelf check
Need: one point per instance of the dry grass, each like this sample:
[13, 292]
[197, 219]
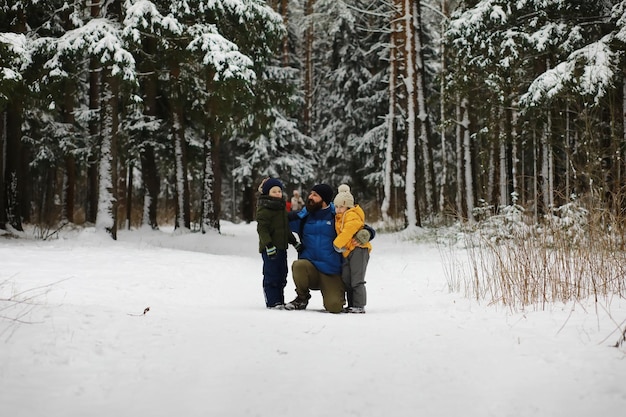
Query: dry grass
[573, 255]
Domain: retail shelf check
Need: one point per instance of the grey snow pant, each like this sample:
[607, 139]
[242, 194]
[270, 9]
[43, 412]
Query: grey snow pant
[353, 276]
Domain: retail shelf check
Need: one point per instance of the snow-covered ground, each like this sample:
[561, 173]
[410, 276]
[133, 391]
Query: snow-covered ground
[208, 347]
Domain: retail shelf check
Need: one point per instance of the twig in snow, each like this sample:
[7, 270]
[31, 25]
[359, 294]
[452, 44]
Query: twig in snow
[145, 310]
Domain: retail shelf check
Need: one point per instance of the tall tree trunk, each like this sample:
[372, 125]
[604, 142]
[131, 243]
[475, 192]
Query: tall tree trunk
[93, 171]
[67, 112]
[129, 194]
[182, 187]
[568, 147]
[514, 154]
[442, 112]
[459, 157]
[208, 184]
[14, 174]
[410, 81]
[210, 211]
[546, 156]
[622, 159]
[467, 161]
[15, 162]
[491, 174]
[216, 197]
[3, 184]
[149, 171]
[422, 112]
[308, 69]
[107, 199]
[69, 184]
[504, 170]
[391, 123]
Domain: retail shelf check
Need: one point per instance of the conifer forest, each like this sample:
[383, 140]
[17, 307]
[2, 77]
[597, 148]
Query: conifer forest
[130, 113]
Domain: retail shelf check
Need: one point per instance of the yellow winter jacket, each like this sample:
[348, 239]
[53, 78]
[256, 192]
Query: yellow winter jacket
[346, 226]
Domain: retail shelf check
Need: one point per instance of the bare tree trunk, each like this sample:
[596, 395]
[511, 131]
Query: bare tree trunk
[217, 183]
[535, 176]
[391, 125]
[15, 162]
[491, 174]
[182, 187]
[129, 195]
[410, 85]
[69, 185]
[504, 171]
[95, 72]
[208, 206]
[623, 145]
[546, 154]
[422, 112]
[115, 122]
[467, 161]
[14, 174]
[107, 196]
[514, 155]
[67, 112]
[3, 184]
[210, 210]
[308, 69]
[459, 158]
[568, 143]
[149, 171]
[550, 163]
[442, 112]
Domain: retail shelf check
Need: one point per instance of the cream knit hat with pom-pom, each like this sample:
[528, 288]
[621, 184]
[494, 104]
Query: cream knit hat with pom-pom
[344, 198]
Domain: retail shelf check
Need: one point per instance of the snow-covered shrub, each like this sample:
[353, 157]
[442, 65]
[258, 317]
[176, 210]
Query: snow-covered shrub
[568, 223]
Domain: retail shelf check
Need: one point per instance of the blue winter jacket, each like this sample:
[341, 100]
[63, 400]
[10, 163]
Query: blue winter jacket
[317, 233]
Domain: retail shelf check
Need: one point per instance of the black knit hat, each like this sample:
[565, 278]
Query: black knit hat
[270, 183]
[325, 191]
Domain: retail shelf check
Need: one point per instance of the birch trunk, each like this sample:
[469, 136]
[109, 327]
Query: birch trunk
[391, 126]
[459, 157]
[546, 169]
[621, 156]
[208, 209]
[182, 189]
[308, 69]
[93, 172]
[149, 171]
[107, 194]
[422, 113]
[442, 112]
[514, 155]
[467, 160]
[208, 180]
[503, 174]
[491, 174]
[410, 84]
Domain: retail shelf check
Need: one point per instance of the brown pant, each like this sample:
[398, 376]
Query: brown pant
[306, 277]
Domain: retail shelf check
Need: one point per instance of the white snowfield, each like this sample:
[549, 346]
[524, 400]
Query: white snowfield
[207, 346]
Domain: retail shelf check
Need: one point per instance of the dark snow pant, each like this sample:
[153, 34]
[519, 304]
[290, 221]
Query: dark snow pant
[274, 277]
[306, 278]
[353, 275]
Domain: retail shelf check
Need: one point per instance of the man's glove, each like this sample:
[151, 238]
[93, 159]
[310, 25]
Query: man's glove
[299, 247]
[270, 249]
[362, 236]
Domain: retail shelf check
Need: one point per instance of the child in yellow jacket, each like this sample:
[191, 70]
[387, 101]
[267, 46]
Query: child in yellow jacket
[350, 218]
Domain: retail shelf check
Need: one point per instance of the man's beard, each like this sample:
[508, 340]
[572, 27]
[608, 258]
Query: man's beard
[312, 206]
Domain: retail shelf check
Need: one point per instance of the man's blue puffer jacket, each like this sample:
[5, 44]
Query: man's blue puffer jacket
[317, 232]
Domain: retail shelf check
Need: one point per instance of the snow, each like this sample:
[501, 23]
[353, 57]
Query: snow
[208, 346]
